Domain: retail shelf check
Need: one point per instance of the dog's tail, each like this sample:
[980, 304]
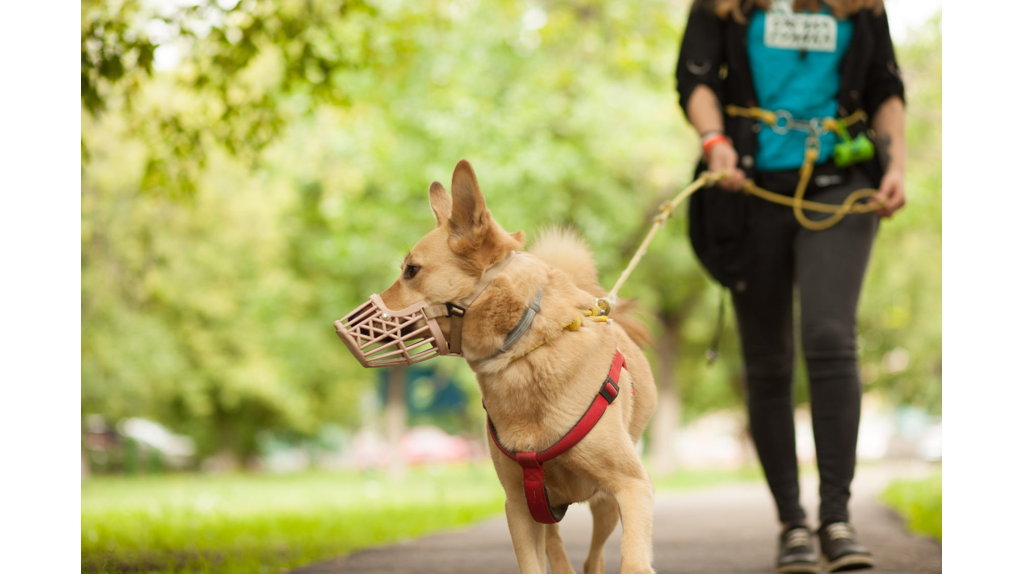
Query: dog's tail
[564, 249]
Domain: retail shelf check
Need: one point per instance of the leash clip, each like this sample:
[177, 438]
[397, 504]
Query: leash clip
[813, 143]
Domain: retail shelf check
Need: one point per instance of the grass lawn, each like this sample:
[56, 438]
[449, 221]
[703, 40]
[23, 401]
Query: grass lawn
[696, 478]
[266, 523]
[920, 503]
[256, 523]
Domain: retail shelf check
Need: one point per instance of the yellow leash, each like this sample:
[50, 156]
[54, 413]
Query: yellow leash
[782, 122]
[664, 212]
[603, 306]
[797, 202]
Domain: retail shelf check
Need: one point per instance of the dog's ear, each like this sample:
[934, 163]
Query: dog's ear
[440, 203]
[469, 216]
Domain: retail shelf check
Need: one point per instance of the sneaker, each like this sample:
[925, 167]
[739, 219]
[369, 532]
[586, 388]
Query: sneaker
[795, 552]
[841, 549]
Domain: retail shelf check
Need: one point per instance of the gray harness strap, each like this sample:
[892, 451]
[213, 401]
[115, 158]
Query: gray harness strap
[522, 326]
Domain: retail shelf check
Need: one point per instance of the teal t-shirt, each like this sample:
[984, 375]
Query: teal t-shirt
[795, 60]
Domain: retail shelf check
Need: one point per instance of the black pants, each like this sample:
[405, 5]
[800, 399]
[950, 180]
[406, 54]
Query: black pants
[827, 269]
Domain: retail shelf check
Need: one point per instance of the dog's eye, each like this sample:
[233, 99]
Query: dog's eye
[410, 272]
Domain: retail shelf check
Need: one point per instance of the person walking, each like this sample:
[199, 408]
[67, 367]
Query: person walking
[770, 86]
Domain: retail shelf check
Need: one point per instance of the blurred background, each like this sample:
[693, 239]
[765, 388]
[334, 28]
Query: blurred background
[251, 171]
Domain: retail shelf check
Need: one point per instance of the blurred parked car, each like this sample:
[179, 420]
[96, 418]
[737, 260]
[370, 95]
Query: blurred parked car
[431, 444]
[418, 445]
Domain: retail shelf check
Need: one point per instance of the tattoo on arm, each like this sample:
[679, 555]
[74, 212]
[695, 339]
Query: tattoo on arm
[883, 145]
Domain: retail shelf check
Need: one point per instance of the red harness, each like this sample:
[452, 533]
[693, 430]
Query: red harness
[533, 472]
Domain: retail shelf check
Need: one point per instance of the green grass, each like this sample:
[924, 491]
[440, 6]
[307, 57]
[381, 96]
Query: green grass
[920, 503]
[255, 523]
[266, 523]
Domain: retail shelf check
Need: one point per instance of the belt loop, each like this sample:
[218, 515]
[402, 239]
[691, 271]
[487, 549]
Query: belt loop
[528, 459]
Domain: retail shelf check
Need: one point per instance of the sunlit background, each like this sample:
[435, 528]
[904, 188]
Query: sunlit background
[251, 171]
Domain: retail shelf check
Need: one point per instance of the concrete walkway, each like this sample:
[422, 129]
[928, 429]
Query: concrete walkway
[721, 530]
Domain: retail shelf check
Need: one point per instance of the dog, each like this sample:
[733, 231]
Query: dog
[537, 388]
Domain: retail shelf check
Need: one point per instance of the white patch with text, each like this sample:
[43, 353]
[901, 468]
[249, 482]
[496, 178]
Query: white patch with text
[812, 32]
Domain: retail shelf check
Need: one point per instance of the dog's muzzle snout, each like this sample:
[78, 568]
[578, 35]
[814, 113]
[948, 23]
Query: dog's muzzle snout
[381, 337]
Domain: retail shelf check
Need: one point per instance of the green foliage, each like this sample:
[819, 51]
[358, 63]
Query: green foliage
[251, 523]
[228, 296]
[248, 68]
[237, 203]
[113, 51]
[920, 503]
[901, 308]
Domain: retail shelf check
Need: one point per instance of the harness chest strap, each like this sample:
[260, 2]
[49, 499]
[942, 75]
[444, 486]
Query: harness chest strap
[533, 471]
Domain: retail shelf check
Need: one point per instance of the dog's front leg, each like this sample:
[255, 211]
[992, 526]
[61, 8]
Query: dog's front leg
[635, 496]
[606, 516]
[527, 536]
[555, 549]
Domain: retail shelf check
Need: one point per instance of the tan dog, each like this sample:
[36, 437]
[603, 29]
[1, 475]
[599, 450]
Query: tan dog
[535, 396]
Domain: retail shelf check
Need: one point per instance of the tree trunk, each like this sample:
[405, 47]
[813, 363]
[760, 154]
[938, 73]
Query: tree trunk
[394, 421]
[86, 471]
[669, 411]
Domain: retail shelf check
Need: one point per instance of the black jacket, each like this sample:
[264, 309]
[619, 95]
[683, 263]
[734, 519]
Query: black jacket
[714, 53]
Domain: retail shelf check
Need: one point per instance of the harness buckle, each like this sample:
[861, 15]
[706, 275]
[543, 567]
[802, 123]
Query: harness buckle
[454, 310]
[609, 390]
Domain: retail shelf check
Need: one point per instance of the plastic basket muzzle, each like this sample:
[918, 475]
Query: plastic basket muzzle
[381, 337]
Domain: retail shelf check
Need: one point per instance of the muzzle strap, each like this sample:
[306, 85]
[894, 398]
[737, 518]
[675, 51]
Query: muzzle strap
[455, 336]
[458, 312]
[485, 280]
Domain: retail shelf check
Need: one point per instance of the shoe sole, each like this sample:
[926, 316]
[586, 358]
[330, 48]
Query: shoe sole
[850, 562]
[806, 568]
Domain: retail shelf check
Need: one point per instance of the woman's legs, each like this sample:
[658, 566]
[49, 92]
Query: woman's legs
[830, 267]
[764, 312]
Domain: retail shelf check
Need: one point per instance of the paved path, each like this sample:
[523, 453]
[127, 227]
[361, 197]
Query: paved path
[722, 530]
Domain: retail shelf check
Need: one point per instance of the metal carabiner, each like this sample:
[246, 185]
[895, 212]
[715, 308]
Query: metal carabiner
[813, 142]
[816, 126]
[782, 127]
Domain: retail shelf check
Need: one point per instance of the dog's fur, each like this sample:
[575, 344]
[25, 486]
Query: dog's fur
[535, 399]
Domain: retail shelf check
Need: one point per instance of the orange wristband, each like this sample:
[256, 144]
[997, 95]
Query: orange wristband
[711, 140]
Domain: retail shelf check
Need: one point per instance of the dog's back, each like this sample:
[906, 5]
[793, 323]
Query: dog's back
[563, 248]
